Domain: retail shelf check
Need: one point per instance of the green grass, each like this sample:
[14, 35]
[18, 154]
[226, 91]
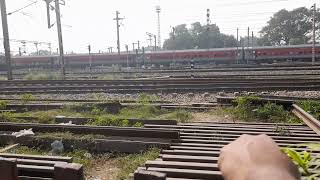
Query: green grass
[312, 107]
[27, 151]
[70, 136]
[128, 164]
[79, 156]
[2, 78]
[42, 76]
[3, 104]
[182, 116]
[101, 117]
[305, 159]
[248, 109]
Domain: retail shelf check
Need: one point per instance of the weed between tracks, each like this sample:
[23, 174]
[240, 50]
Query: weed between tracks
[312, 107]
[98, 166]
[98, 115]
[131, 162]
[248, 109]
[42, 76]
[308, 163]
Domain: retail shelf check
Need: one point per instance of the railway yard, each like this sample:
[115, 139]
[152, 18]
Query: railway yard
[165, 124]
[228, 97]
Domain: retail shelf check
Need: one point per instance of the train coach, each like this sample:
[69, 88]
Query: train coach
[256, 55]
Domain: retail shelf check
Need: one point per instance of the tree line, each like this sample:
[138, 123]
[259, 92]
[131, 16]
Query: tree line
[284, 28]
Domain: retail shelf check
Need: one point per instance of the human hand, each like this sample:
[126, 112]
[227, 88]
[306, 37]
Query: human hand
[256, 158]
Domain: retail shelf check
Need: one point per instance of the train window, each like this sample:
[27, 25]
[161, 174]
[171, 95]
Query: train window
[300, 52]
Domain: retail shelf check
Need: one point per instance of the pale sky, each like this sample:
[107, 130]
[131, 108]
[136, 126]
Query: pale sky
[91, 21]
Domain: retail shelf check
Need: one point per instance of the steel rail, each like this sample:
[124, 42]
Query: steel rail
[307, 118]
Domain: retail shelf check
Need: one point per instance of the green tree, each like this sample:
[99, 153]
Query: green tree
[289, 27]
[198, 37]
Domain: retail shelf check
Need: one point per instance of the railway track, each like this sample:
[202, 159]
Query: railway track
[294, 67]
[159, 85]
[195, 154]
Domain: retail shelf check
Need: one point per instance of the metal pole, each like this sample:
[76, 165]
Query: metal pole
[155, 43]
[50, 49]
[37, 49]
[127, 49]
[90, 61]
[248, 37]
[237, 45]
[138, 45]
[314, 35]
[252, 37]
[248, 45]
[6, 42]
[118, 30]
[118, 33]
[61, 52]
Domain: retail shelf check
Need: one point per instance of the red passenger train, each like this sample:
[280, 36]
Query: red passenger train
[256, 55]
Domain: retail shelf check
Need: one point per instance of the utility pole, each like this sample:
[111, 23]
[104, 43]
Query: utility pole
[208, 27]
[118, 30]
[237, 45]
[150, 39]
[252, 39]
[133, 46]
[158, 10]
[138, 45]
[127, 50]
[90, 61]
[248, 45]
[248, 37]
[314, 34]
[6, 41]
[155, 43]
[50, 49]
[37, 49]
[61, 51]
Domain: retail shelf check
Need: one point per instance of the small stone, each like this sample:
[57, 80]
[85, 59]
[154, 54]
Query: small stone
[128, 96]
[190, 95]
[221, 93]
[206, 95]
[236, 93]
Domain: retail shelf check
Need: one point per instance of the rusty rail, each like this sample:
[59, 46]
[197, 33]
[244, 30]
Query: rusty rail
[307, 118]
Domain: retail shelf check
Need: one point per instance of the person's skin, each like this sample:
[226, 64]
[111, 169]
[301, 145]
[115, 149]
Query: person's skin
[256, 158]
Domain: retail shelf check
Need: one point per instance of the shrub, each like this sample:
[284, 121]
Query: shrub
[180, 115]
[312, 107]
[271, 112]
[307, 162]
[25, 98]
[249, 109]
[245, 107]
[130, 163]
[140, 112]
[138, 124]
[3, 104]
[107, 120]
[42, 76]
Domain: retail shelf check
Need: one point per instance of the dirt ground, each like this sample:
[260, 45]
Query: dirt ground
[211, 117]
[103, 170]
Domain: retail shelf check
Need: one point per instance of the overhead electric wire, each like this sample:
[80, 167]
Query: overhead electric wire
[10, 13]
